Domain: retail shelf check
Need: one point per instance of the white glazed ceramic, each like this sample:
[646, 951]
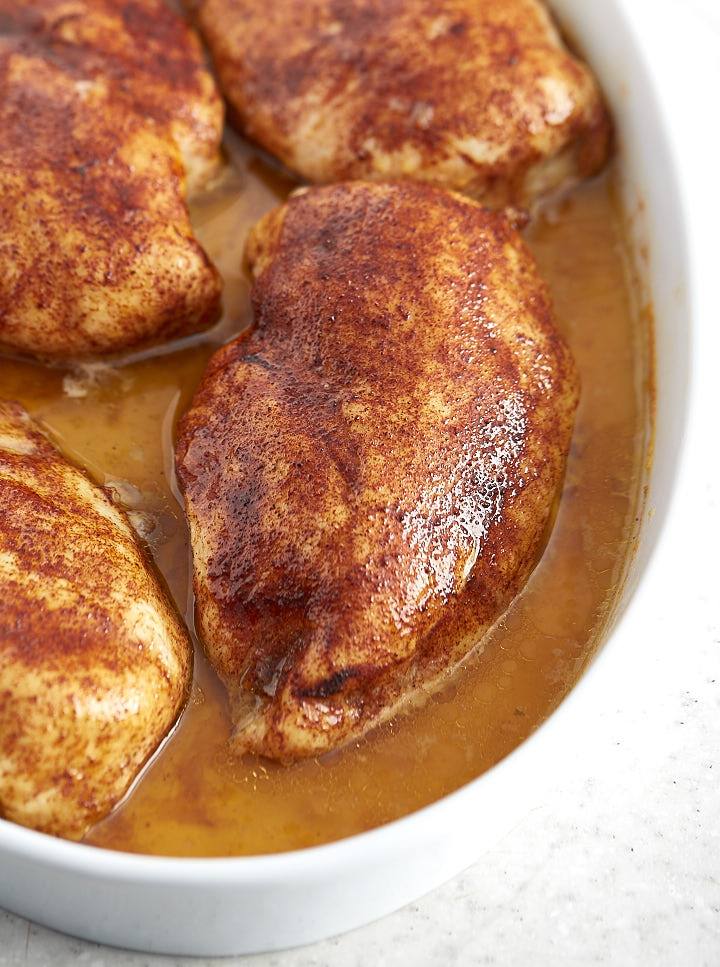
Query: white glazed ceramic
[224, 906]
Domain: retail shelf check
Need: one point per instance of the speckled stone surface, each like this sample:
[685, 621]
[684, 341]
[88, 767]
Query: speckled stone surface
[622, 863]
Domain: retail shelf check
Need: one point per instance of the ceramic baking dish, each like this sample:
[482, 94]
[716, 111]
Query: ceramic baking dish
[225, 906]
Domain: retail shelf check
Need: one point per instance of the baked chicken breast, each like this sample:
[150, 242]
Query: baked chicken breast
[141, 50]
[105, 107]
[370, 473]
[94, 662]
[475, 95]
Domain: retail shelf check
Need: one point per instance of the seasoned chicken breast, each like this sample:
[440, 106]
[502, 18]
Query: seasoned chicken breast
[476, 95]
[143, 51]
[369, 475]
[96, 246]
[94, 662]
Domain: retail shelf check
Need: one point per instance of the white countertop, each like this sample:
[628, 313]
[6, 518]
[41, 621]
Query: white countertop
[622, 863]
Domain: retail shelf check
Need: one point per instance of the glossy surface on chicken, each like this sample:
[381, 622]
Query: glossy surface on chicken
[94, 662]
[103, 106]
[370, 473]
[476, 95]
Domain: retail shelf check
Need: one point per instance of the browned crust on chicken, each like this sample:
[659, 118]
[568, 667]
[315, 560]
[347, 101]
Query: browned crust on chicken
[143, 51]
[98, 126]
[94, 662]
[369, 474]
[477, 95]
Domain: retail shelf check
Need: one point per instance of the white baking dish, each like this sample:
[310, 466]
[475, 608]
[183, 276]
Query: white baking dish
[223, 906]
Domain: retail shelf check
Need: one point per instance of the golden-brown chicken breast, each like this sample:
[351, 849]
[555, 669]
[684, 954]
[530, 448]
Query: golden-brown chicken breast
[94, 662]
[96, 247]
[144, 52]
[476, 95]
[370, 473]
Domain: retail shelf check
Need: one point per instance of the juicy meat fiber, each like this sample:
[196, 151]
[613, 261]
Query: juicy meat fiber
[369, 475]
[476, 95]
[94, 663]
[105, 107]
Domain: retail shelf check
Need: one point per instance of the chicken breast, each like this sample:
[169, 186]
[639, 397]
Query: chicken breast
[143, 51]
[96, 246]
[475, 95]
[94, 662]
[369, 475]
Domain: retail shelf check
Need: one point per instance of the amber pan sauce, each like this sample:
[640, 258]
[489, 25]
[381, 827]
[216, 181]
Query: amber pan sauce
[117, 420]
